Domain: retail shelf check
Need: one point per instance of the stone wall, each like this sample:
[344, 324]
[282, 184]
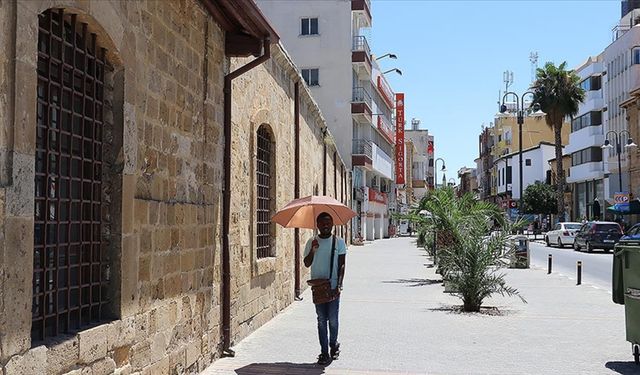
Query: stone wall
[165, 89]
[164, 190]
[264, 286]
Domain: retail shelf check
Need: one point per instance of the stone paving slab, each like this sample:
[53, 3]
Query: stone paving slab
[395, 319]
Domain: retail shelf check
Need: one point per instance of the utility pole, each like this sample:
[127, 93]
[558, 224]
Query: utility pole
[533, 57]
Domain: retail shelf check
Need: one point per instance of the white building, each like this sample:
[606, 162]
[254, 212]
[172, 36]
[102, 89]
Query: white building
[621, 60]
[422, 168]
[587, 172]
[327, 41]
[535, 164]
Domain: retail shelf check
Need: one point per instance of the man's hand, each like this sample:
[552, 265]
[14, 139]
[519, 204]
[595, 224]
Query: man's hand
[309, 258]
[314, 245]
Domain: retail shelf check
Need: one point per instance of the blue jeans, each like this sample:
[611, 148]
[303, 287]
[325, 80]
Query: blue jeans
[328, 313]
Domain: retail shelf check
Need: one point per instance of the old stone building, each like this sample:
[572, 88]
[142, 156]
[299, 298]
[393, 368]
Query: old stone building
[121, 124]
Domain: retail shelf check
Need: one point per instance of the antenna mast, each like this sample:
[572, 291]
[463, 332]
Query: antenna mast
[533, 57]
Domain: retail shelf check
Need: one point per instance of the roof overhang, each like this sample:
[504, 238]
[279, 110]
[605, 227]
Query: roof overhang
[244, 24]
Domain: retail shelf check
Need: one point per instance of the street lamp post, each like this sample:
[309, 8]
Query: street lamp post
[444, 169]
[607, 145]
[521, 112]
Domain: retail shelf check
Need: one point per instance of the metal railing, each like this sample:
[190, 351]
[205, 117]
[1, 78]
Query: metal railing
[360, 44]
[361, 95]
[362, 147]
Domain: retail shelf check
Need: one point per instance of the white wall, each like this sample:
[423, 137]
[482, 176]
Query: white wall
[330, 51]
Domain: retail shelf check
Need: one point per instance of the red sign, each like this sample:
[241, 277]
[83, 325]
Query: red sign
[386, 92]
[430, 148]
[400, 138]
[376, 196]
[385, 128]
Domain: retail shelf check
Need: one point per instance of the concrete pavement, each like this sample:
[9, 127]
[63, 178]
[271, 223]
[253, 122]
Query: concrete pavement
[395, 319]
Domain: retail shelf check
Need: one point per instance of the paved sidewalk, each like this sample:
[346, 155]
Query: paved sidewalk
[395, 319]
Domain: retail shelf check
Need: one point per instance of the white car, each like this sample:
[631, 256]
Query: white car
[562, 234]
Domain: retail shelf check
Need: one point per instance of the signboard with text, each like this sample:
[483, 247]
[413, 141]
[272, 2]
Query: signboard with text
[376, 196]
[400, 139]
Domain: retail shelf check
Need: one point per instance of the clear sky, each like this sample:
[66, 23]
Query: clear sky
[453, 53]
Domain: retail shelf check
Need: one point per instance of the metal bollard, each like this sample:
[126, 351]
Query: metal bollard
[579, 273]
[549, 264]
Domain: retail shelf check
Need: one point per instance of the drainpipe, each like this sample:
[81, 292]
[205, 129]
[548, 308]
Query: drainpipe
[226, 198]
[296, 187]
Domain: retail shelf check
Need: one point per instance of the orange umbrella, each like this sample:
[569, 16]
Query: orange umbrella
[302, 212]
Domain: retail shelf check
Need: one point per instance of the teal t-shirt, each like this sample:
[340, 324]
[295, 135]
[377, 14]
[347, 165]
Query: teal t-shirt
[320, 265]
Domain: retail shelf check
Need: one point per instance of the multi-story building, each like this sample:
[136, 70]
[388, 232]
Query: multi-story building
[586, 177]
[468, 181]
[423, 159]
[484, 164]
[355, 97]
[621, 61]
[503, 138]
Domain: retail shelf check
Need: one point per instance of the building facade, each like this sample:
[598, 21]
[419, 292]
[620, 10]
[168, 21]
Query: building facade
[423, 159]
[136, 190]
[352, 92]
[586, 177]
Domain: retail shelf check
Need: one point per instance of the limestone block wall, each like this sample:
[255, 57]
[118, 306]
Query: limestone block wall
[165, 111]
[163, 188]
[263, 287]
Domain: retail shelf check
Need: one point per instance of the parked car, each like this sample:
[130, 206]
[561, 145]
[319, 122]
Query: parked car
[562, 234]
[633, 234]
[597, 235]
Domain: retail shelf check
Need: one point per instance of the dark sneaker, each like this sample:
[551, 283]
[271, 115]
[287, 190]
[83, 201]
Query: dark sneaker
[335, 351]
[324, 359]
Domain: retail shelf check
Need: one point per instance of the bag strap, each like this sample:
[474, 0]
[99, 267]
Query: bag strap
[333, 251]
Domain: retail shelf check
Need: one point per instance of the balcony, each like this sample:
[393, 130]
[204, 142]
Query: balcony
[361, 154]
[385, 128]
[361, 105]
[361, 57]
[362, 9]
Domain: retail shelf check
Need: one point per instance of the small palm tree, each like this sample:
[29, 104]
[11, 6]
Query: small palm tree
[468, 259]
[558, 92]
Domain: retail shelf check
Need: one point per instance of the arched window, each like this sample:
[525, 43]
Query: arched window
[69, 266]
[265, 192]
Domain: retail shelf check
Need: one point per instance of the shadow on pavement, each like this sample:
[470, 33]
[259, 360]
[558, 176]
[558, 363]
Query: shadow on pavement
[415, 282]
[623, 367]
[281, 368]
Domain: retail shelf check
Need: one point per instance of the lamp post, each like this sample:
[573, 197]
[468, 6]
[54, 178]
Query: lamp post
[393, 70]
[452, 181]
[444, 169]
[607, 145]
[389, 55]
[521, 112]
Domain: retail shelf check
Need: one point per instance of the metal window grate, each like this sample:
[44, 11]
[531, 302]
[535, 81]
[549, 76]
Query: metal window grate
[69, 290]
[263, 186]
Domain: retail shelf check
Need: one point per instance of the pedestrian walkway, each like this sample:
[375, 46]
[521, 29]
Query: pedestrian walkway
[395, 319]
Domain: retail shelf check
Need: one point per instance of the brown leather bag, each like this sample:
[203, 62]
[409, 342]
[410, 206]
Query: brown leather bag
[321, 288]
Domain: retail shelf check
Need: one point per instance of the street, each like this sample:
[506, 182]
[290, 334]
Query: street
[596, 267]
[395, 319]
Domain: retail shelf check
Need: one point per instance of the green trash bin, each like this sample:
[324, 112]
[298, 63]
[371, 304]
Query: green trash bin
[630, 256]
[617, 284]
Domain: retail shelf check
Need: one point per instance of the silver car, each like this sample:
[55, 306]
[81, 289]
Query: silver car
[562, 234]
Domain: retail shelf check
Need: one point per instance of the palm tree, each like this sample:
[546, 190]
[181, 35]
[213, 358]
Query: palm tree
[559, 94]
[467, 258]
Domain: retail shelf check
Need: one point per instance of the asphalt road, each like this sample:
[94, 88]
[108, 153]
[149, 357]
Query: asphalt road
[596, 267]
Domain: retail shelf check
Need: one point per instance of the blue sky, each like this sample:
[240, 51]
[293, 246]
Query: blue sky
[453, 53]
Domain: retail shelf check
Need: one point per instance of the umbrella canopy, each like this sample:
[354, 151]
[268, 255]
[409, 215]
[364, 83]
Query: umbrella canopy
[630, 208]
[302, 213]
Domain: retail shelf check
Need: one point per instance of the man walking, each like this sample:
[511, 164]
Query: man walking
[318, 255]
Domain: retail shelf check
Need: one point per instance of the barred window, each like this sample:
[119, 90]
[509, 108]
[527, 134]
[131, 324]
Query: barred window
[265, 190]
[69, 286]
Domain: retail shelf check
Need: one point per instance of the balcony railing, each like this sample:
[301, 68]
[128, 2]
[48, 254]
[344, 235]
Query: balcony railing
[360, 44]
[362, 147]
[361, 95]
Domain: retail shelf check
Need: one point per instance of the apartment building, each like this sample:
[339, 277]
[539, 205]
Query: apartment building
[328, 43]
[586, 177]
